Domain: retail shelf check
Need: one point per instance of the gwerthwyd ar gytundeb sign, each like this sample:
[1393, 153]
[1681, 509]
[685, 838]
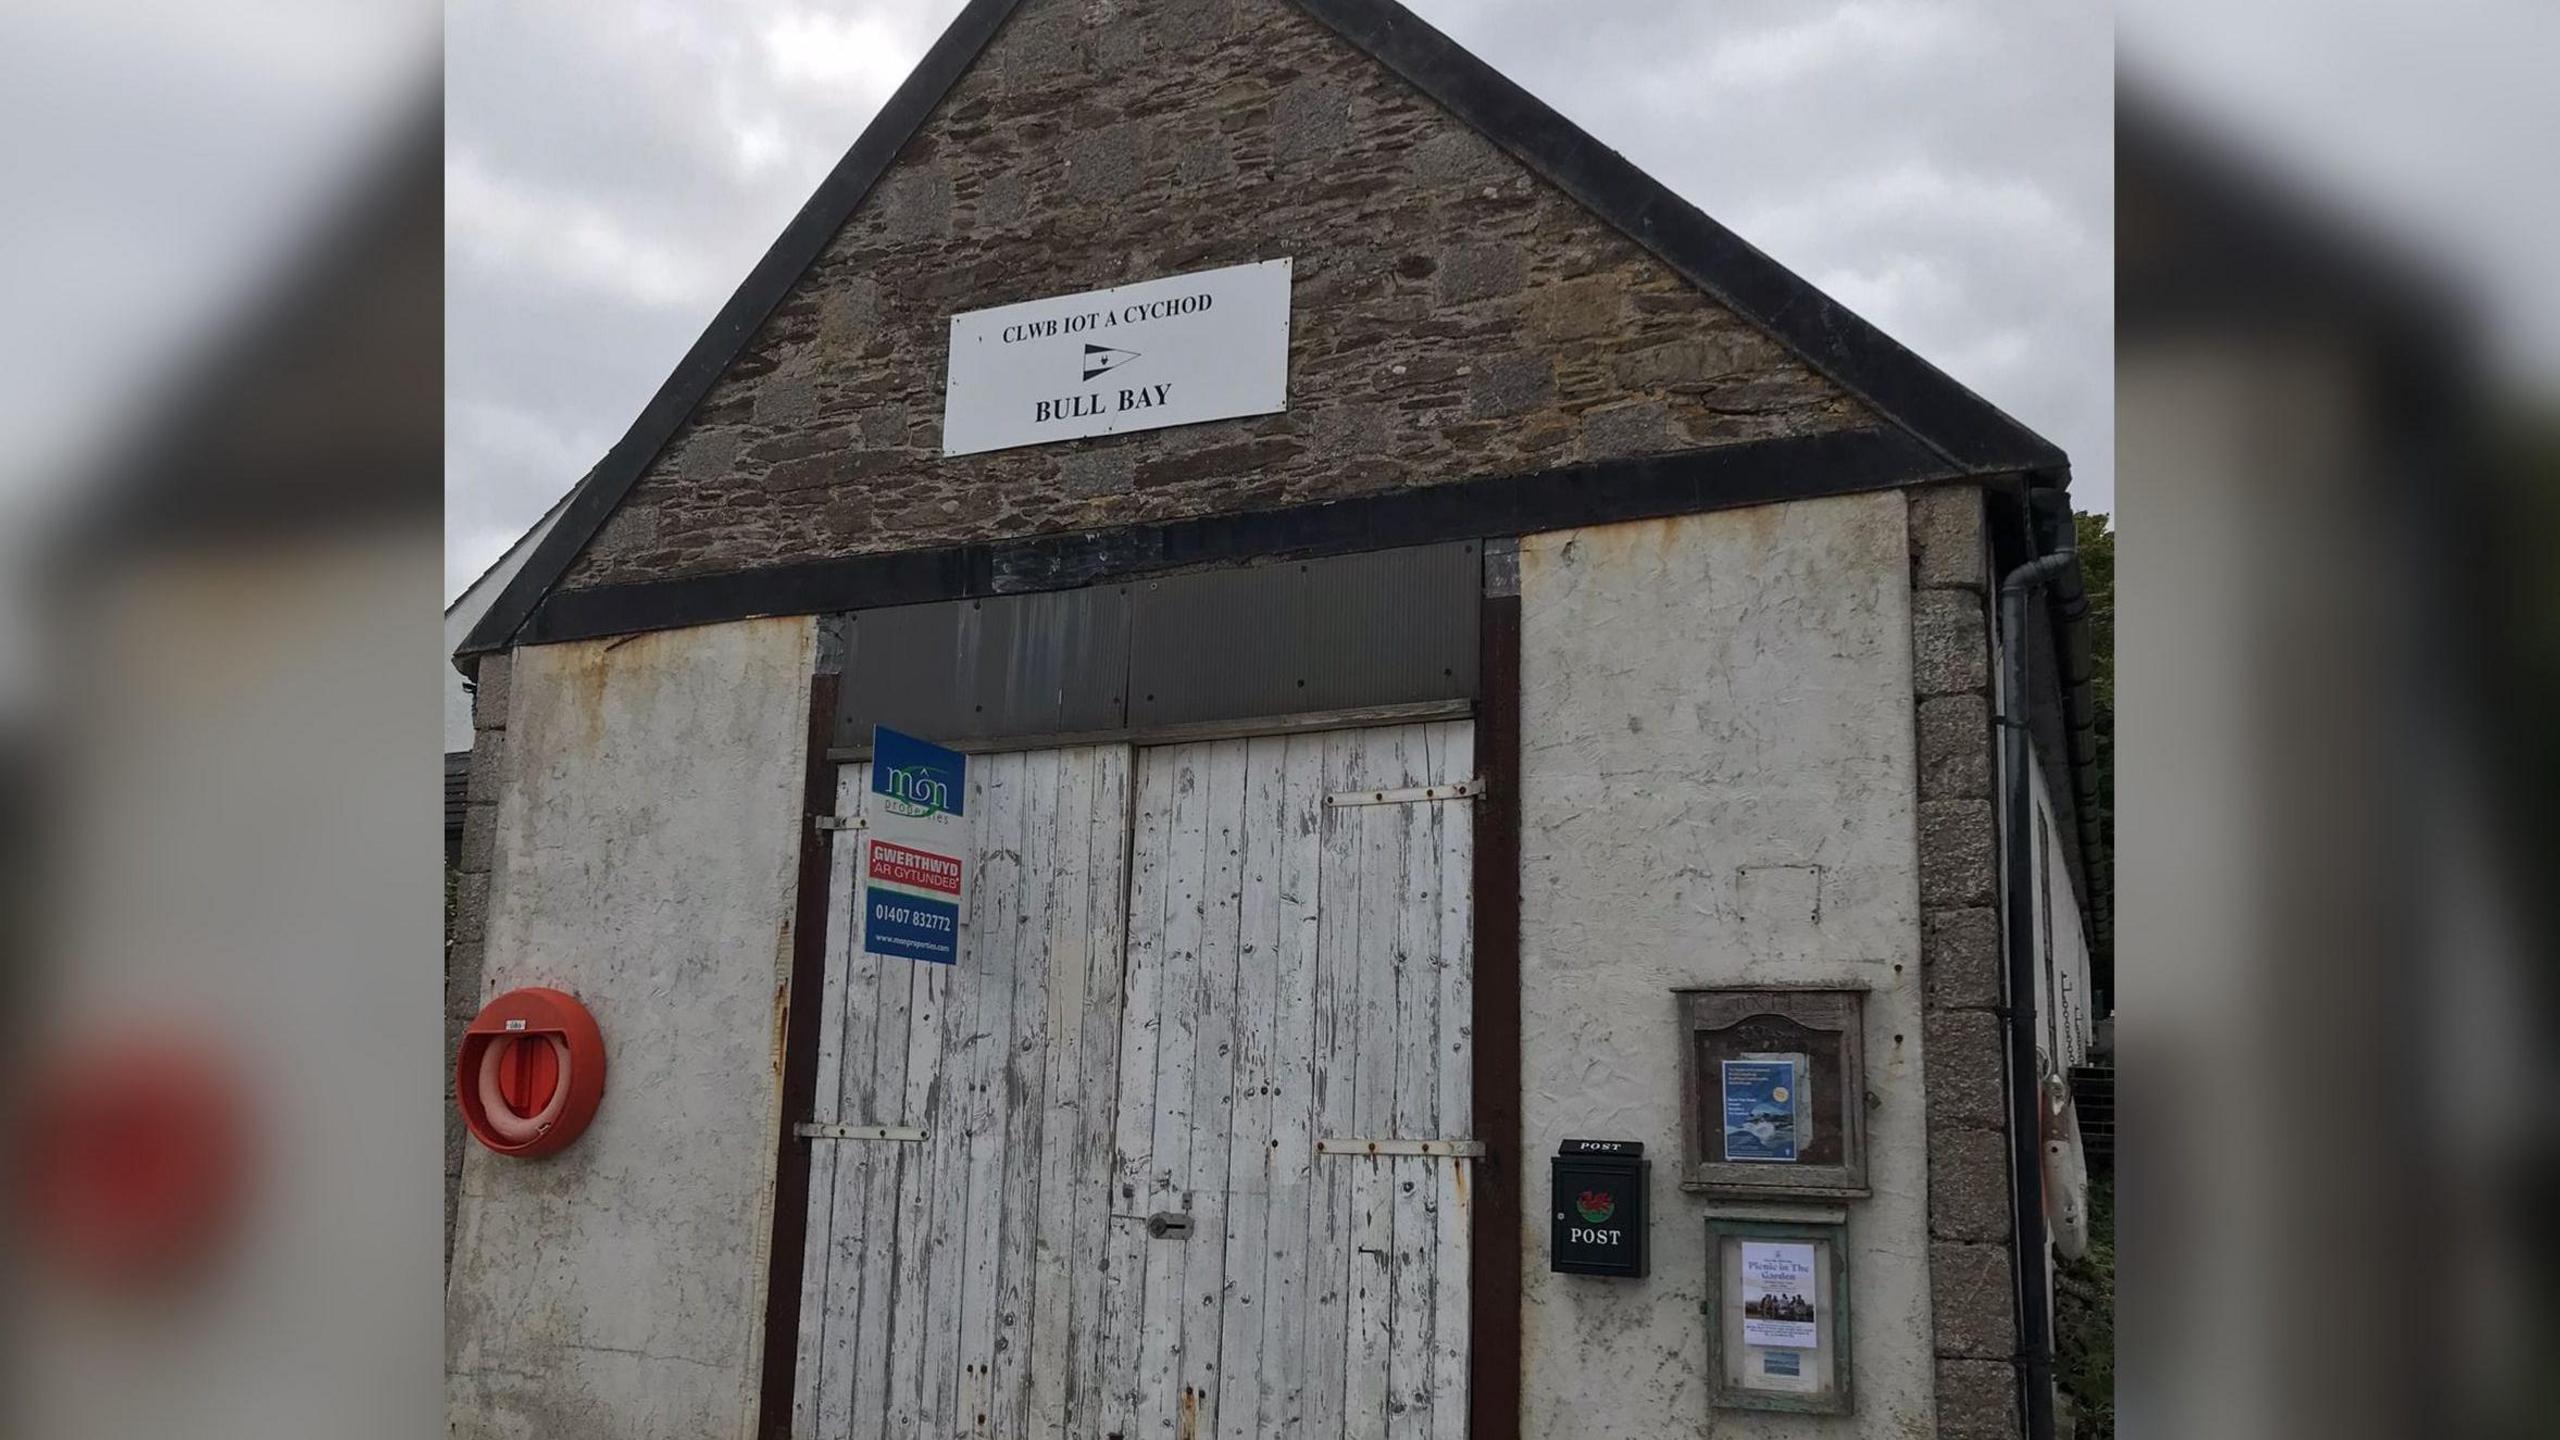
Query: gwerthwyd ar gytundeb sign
[915, 859]
[1175, 351]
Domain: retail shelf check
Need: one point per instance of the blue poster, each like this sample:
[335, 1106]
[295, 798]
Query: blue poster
[910, 927]
[915, 876]
[917, 779]
[1760, 1107]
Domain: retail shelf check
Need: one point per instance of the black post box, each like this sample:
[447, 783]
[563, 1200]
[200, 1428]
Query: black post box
[1599, 1212]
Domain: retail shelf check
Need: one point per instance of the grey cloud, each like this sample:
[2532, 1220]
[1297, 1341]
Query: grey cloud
[1966, 144]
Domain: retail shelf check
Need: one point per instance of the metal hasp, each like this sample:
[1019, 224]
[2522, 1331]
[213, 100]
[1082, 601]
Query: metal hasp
[2060, 568]
[1597, 1223]
[1169, 1225]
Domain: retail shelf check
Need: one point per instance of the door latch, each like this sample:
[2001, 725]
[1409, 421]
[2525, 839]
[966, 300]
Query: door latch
[1168, 1225]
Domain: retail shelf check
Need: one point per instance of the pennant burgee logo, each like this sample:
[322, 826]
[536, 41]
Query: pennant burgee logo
[1102, 359]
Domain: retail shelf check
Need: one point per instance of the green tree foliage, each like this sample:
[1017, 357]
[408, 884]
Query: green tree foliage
[2097, 540]
[2084, 1290]
[2084, 1299]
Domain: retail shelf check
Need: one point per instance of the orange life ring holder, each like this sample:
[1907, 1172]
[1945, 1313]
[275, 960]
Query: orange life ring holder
[530, 1073]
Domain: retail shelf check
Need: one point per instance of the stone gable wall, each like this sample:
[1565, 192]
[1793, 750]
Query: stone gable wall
[1454, 316]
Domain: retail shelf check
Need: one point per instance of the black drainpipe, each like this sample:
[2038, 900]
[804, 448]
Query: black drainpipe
[2026, 1121]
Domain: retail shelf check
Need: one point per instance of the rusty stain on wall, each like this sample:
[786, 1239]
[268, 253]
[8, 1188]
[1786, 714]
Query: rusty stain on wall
[646, 859]
[1757, 825]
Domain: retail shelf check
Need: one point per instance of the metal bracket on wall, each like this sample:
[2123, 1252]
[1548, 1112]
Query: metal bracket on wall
[1458, 790]
[1455, 1149]
[814, 1130]
[841, 822]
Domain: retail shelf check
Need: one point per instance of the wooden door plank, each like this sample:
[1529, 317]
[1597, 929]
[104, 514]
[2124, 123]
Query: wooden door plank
[890, 1102]
[1022, 1087]
[1124, 1284]
[857, 1103]
[1381, 858]
[1037, 1360]
[838, 1180]
[1336, 1025]
[1283, 1401]
[944, 1214]
[1371, 1240]
[1108, 900]
[1214, 1083]
[1413, 1342]
[1452, 1224]
[1177, 1055]
[1453, 754]
[933, 996]
[1246, 1311]
[817, 1301]
[1417, 1056]
[1003, 833]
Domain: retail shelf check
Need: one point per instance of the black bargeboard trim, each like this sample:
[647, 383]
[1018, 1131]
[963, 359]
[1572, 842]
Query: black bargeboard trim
[1965, 432]
[1724, 478]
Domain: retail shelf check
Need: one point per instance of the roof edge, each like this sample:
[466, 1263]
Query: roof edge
[549, 513]
[1959, 426]
[1895, 381]
[801, 243]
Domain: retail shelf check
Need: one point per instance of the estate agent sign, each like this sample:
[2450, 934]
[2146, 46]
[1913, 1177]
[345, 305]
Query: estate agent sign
[916, 865]
[1175, 351]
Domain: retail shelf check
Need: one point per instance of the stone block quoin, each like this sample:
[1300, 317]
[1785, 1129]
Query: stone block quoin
[466, 932]
[1972, 1293]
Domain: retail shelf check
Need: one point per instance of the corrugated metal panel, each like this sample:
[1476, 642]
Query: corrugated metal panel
[1391, 627]
[1048, 664]
[1290, 638]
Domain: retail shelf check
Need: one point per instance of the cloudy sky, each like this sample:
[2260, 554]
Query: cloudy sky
[614, 167]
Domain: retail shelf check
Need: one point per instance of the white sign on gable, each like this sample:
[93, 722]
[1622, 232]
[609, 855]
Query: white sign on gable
[1175, 351]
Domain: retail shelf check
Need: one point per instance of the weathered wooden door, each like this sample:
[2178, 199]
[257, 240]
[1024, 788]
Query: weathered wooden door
[1295, 1085]
[1194, 1108]
[957, 1222]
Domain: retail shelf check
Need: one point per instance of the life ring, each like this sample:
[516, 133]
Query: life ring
[513, 1128]
[518, 1042]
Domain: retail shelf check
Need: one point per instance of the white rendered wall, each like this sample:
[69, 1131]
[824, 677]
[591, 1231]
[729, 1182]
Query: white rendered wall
[1717, 787]
[648, 839]
[2063, 1017]
[465, 612]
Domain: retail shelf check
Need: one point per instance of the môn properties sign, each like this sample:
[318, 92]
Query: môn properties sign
[915, 867]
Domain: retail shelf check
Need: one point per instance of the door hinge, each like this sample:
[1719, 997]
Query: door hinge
[818, 1130]
[1455, 1149]
[1412, 794]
